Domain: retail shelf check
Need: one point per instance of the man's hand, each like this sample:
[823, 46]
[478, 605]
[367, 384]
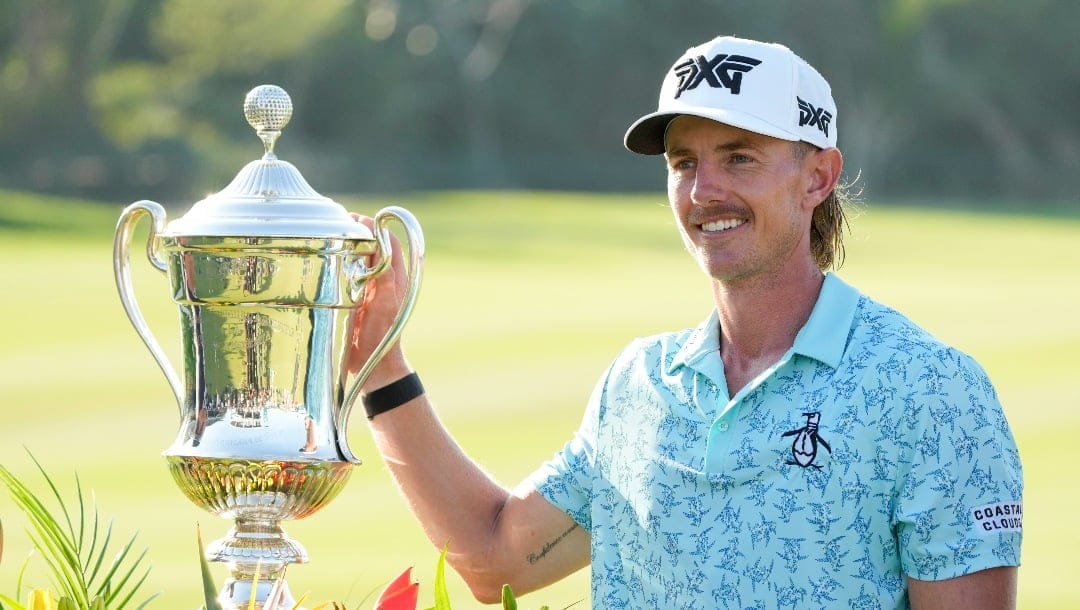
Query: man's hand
[382, 299]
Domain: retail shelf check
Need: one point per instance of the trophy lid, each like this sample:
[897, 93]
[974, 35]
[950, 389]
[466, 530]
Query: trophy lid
[268, 197]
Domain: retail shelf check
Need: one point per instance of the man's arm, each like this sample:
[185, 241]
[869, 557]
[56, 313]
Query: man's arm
[991, 589]
[496, 536]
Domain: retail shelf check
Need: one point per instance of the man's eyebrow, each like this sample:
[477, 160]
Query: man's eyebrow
[738, 144]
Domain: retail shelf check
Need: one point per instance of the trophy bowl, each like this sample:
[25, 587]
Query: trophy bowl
[267, 276]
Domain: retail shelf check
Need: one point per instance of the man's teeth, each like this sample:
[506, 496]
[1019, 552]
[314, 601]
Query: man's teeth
[721, 225]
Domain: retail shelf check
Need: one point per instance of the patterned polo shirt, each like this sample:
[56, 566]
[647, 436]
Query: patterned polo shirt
[868, 452]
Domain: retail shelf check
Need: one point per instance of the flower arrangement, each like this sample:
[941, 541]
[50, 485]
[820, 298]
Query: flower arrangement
[75, 547]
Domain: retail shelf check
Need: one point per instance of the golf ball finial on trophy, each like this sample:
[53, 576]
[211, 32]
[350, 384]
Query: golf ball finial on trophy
[267, 275]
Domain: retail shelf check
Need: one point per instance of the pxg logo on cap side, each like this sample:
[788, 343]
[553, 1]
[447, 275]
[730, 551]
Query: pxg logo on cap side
[814, 117]
[723, 71]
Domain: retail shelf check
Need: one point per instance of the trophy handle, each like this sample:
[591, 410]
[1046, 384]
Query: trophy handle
[125, 228]
[415, 238]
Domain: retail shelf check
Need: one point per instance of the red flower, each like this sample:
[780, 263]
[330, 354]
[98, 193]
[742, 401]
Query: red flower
[400, 594]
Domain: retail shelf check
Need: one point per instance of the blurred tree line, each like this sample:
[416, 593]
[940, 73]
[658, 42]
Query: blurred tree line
[129, 99]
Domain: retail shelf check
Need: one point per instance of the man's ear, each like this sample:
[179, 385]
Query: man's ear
[823, 172]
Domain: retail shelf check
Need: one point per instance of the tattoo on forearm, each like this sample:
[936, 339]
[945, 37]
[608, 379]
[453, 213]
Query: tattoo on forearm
[535, 557]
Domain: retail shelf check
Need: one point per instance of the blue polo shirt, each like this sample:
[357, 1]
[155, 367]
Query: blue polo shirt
[868, 452]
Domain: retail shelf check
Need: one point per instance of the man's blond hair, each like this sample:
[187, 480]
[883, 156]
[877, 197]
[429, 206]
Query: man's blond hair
[829, 220]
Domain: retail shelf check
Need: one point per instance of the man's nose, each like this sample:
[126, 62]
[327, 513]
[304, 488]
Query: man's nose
[711, 183]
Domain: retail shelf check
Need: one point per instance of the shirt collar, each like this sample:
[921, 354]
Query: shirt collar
[824, 337]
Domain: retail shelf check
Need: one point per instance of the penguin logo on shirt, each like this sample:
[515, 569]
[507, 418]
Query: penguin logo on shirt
[805, 446]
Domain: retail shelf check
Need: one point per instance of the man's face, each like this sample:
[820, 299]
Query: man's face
[739, 198]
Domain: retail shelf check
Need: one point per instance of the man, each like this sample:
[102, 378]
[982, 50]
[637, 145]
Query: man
[804, 446]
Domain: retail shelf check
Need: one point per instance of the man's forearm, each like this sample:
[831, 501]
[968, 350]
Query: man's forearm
[495, 536]
[992, 589]
[455, 501]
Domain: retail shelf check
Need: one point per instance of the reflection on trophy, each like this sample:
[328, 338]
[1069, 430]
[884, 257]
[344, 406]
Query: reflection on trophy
[267, 275]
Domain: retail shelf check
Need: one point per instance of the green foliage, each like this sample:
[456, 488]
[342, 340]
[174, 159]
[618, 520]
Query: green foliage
[76, 549]
[442, 596]
[111, 97]
[508, 600]
[207, 38]
[208, 587]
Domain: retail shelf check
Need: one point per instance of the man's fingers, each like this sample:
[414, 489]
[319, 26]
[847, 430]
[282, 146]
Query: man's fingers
[397, 260]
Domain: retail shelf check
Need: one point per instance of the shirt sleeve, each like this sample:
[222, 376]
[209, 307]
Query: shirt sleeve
[566, 480]
[960, 507]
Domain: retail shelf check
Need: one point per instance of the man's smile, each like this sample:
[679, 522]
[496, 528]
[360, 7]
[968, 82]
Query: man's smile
[722, 225]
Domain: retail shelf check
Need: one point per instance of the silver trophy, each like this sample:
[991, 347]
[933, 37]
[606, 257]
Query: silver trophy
[267, 275]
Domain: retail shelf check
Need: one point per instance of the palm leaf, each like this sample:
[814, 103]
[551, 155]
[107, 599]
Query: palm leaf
[48, 539]
[77, 582]
[112, 589]
[509, 602]
[442, 596]
[74, 557]
[134, 588]
[22, 575]
[209, 588]
[114, 567]
[94, 543]
[59, 498]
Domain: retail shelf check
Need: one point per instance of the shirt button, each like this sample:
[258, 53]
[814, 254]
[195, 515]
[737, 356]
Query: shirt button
[722, 426]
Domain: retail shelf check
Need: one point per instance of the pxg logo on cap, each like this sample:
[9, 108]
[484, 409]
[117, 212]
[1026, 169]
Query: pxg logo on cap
[814, 117]
[760, 87]
[722, 72]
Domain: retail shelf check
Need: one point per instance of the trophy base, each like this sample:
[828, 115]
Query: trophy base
[262, 595]
[257, 554]
[257, 495]
[257, 542]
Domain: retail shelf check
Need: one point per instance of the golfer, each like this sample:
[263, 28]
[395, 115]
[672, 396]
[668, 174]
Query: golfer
[803, 447]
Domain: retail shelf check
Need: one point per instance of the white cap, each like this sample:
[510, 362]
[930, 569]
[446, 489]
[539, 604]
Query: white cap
[756, 86]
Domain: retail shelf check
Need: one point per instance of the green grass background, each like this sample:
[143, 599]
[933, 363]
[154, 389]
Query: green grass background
[526, 298]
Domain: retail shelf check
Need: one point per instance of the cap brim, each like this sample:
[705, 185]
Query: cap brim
[646, 135]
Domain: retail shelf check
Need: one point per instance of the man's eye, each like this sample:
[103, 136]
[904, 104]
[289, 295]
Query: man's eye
[682, 164]
[741, 158]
